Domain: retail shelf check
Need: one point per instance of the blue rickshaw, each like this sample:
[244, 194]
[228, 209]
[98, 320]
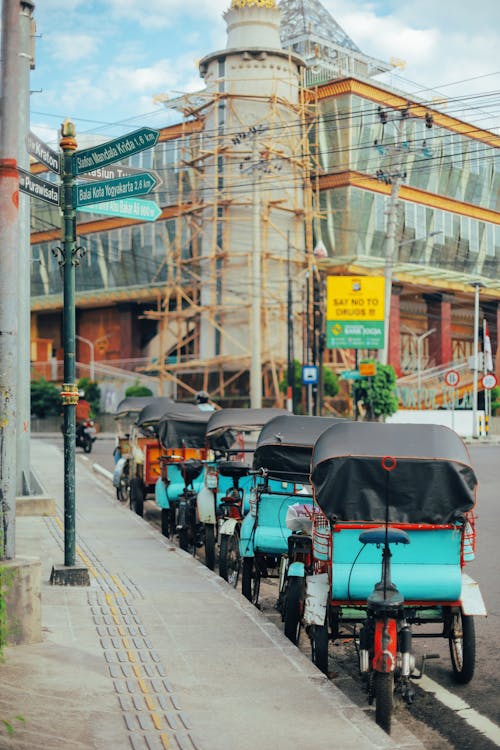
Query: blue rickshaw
[281, 467]
[392, 531]
[223, 500]
[181, 434]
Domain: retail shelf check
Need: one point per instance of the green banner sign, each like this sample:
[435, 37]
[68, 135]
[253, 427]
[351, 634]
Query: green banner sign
[89, 159]
[129, 208]
[88, 193]
[346, 334]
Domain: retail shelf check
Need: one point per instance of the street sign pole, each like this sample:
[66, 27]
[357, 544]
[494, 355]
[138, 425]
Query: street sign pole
[70, 574]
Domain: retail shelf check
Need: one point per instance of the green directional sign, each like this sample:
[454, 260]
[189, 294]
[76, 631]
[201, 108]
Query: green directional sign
[89, 159]
[88, 193]
[128, 208]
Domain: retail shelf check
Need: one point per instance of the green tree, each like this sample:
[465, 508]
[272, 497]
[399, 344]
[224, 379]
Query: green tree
[45, 398]
[91, 393]
[136, 390]
[330, 383]
[378, 392]
[495, 400]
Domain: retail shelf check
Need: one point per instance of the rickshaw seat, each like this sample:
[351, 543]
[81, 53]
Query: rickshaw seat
[271, 534]
[234, 469]
[427, 569]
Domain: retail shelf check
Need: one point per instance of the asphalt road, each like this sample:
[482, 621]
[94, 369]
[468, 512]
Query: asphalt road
[459, 716]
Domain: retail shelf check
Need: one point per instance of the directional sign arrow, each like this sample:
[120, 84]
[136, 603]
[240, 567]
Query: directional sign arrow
[128, 208]
[43, 153]
[89, 159]
[89, 193]
[38, 188]
[114, 171]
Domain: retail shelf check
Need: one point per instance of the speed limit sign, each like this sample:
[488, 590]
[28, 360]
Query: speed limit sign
[489, 381]
[452, 378]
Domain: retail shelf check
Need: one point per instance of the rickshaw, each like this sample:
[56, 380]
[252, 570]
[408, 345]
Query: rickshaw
[126, 414]
[223, 500]
[181, 432]
[281, 466]
[145, 451]
[392, 529]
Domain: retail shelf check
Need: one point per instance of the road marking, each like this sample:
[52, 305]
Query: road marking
[462, 709]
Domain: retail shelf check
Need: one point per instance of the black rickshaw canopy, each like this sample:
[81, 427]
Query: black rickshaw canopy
[183, 425]
[132, 405]
[428, 476]
[235, 420]
[151, 414]
[285, 445]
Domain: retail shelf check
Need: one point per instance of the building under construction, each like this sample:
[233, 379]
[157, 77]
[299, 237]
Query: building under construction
[290, 164]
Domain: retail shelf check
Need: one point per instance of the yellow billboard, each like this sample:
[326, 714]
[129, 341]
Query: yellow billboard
[353, 298]
[355, 312]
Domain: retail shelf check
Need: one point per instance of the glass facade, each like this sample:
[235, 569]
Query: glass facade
[354, 224]
[442, 163]
[434, 159]
[352, 138]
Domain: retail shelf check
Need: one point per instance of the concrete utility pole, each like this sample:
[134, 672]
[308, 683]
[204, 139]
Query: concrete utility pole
[26, 63]
[9, 244]
[398, 152]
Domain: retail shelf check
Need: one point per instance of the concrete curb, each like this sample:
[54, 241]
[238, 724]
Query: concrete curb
[103, 472]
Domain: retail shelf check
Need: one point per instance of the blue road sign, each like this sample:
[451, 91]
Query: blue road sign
[309, 375]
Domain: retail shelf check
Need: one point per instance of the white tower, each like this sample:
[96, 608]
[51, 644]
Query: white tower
[251, 165]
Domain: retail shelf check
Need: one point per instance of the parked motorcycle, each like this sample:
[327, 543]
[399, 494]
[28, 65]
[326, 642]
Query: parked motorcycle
[85, 435]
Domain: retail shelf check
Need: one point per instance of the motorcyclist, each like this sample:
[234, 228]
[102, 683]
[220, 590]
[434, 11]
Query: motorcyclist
[203, 401]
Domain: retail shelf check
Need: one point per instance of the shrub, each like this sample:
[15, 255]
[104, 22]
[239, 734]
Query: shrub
[45, 399]
[138, 390]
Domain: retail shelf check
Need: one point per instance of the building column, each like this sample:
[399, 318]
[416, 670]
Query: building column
[439, 317]
[394, 352]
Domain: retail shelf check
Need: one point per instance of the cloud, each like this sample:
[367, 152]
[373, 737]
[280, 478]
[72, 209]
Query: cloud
[166, 13]
[72, 47]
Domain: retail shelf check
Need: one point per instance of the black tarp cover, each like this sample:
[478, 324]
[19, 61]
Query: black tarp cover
[432, 481]
[285, 445]
[132, 405]
[232, 421]
[183, 426]
[151, 414]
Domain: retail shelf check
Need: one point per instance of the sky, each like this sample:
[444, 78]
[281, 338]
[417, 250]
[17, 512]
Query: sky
[102, 63]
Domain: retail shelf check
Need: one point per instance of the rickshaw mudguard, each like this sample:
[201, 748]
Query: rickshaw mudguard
[205, 502]
[229, 527]
[316, 601]
[296, 570]
[118, 471]
[471, 598]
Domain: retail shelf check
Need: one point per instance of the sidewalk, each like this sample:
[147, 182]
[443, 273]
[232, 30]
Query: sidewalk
[158, 652]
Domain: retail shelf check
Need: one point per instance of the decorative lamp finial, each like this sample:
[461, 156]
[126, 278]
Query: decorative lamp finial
[253, 3]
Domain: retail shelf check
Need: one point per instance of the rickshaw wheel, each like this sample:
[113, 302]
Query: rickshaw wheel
[209, 546]
[294, 605]
[165, 522]
[137, 496]
[229, 558]
[250, 580]
[184, 539]
[462, 640]
[384, 689]
[122, 491]
[319, 646]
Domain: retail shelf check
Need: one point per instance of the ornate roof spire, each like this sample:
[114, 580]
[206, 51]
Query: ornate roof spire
[255, 3]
